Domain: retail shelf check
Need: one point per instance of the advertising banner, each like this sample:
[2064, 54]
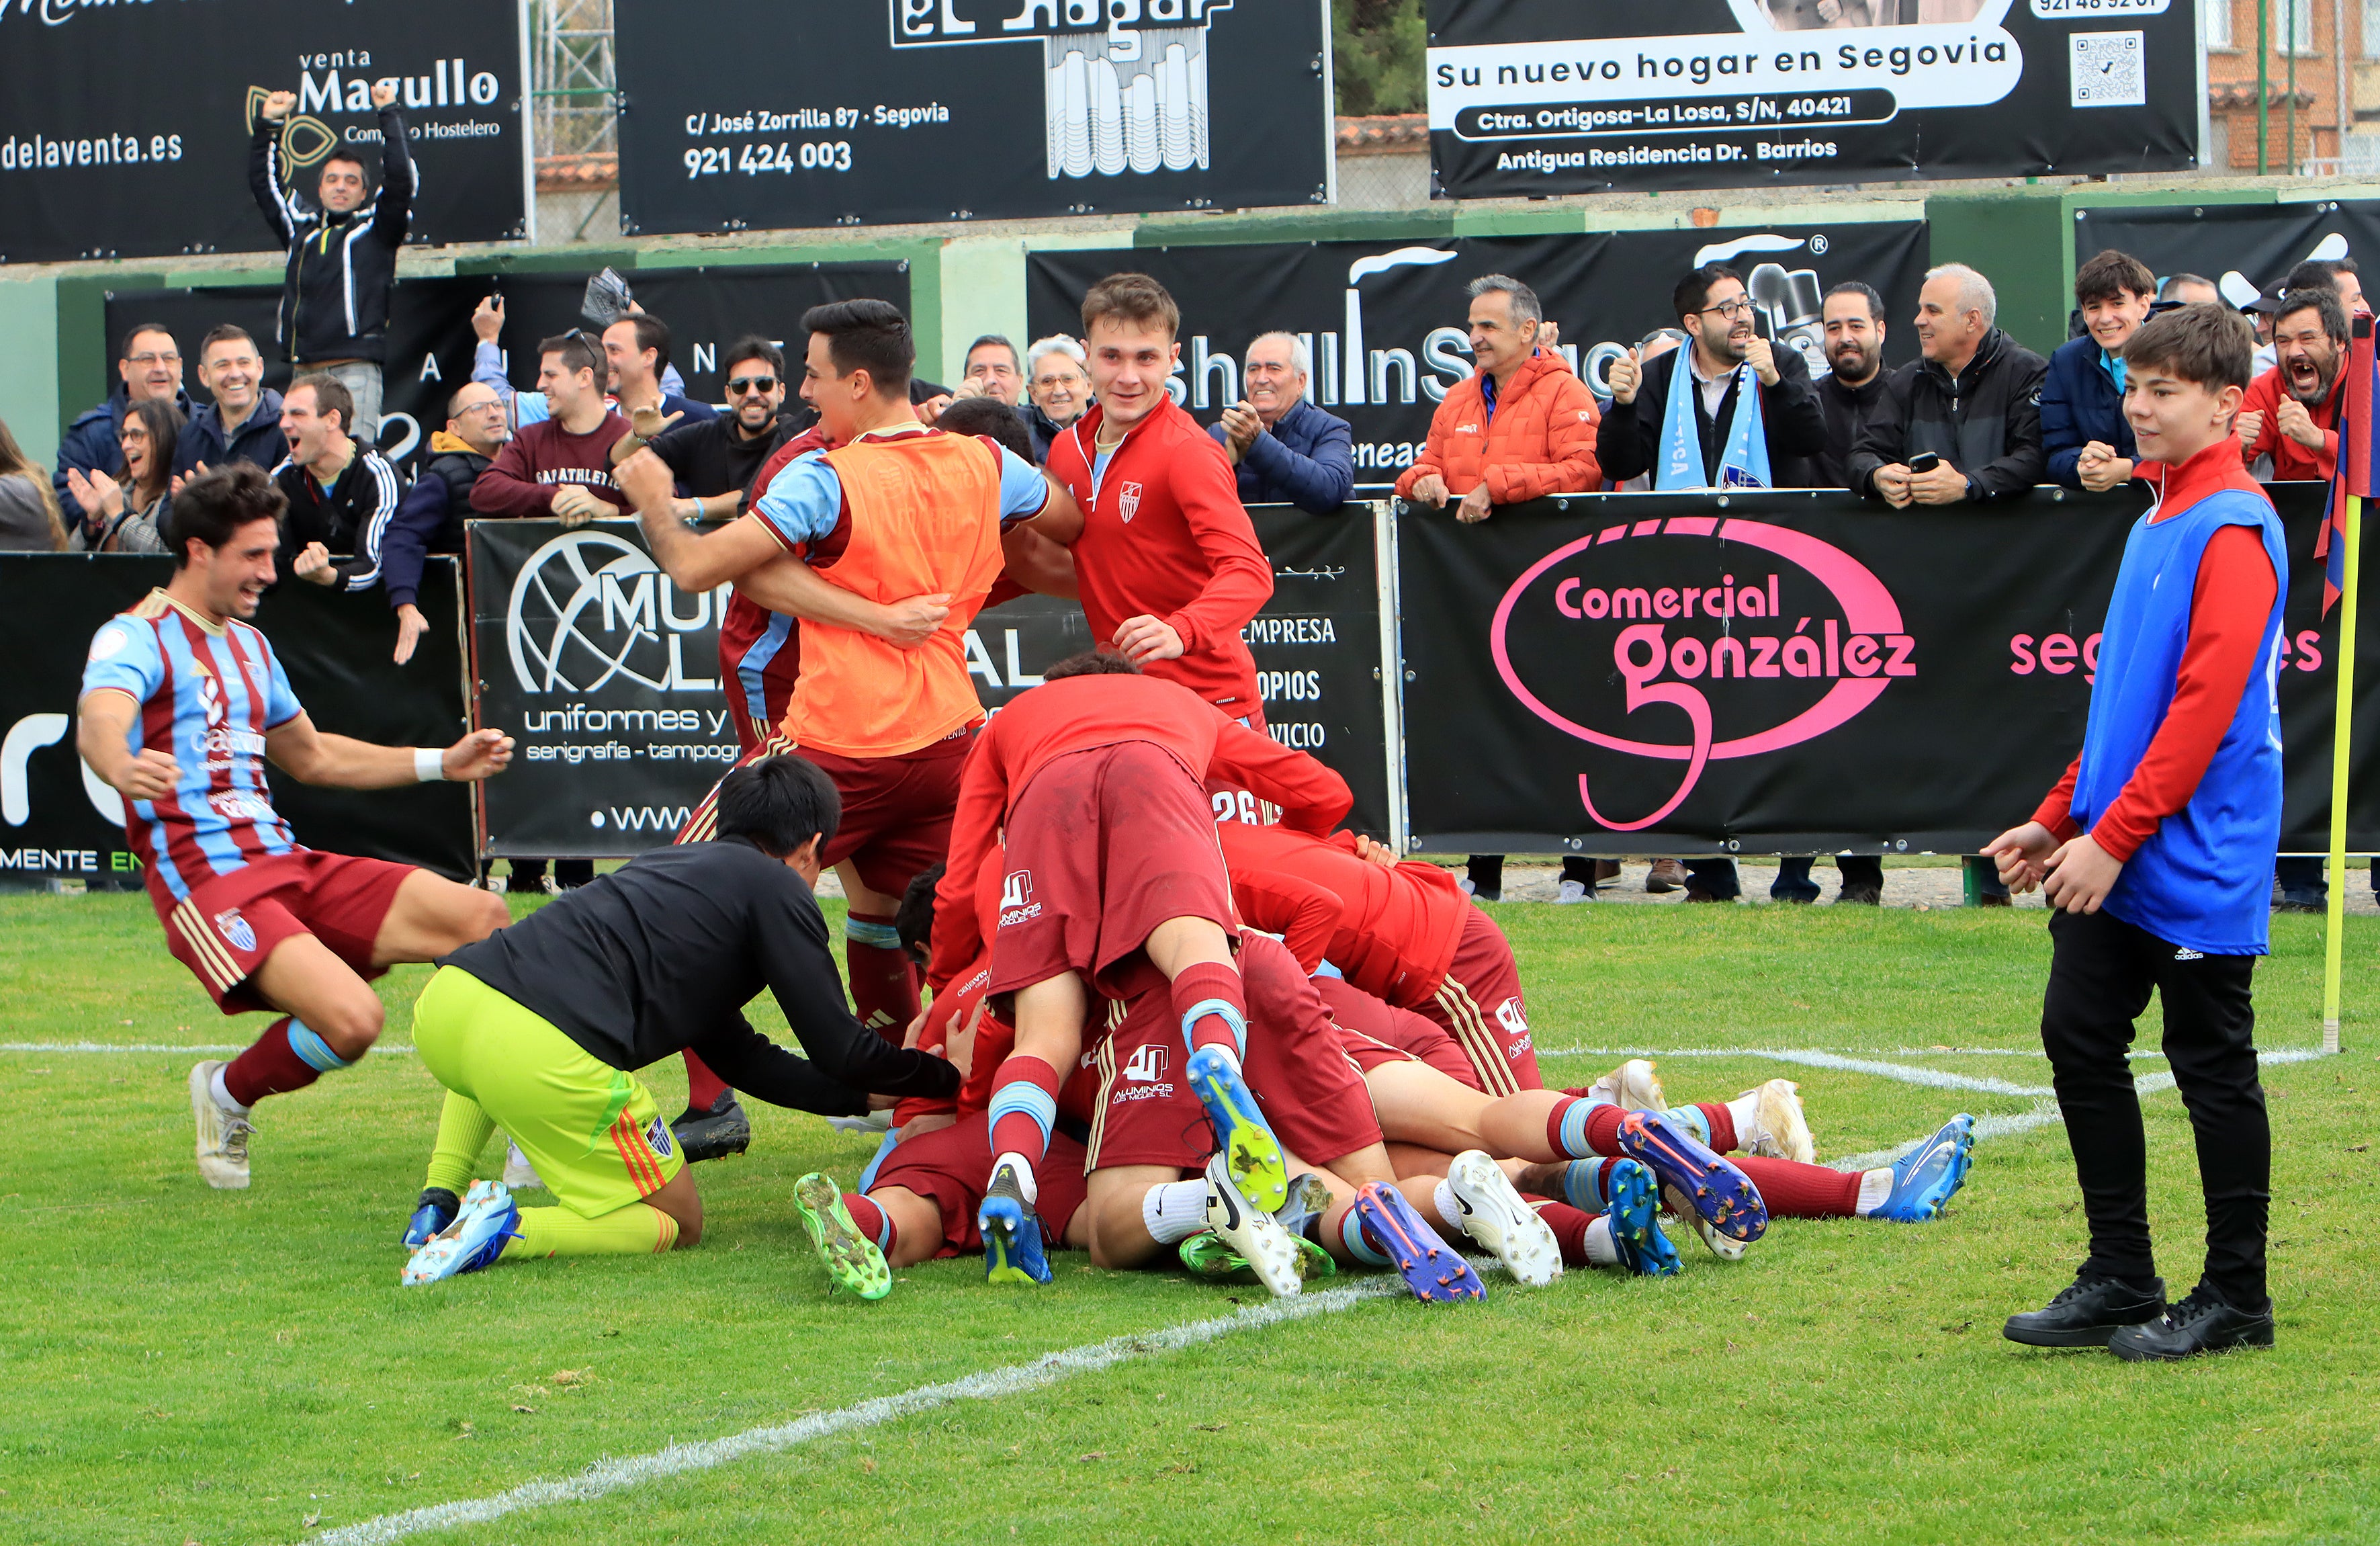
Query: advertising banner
[124, 129]
[430, 342]
[1793, 672]
[2245, 249]
[59, 822]
[1384, 321]
[866, 112]
[1542, 97]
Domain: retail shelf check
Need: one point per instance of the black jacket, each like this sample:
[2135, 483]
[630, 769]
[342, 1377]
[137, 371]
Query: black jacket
[709, 456]
[662, 955]
[1986, 423]
[1628, 441]
[334, 297]
[429, 517]
[257, 440]
[1845, 408]
[350, 516]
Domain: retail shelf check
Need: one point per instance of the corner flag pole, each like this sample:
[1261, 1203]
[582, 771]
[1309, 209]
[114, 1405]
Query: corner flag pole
[2342, 725]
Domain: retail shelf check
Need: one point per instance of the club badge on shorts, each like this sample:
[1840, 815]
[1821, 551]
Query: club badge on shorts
[236, 929]
[658, 1136]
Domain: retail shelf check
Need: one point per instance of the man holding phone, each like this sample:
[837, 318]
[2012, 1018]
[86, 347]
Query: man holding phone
[1962, 422]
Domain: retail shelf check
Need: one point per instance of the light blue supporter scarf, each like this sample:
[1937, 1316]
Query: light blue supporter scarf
[1744, 463]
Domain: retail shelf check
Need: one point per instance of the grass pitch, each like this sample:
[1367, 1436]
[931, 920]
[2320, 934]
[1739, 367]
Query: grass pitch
[182, 1364]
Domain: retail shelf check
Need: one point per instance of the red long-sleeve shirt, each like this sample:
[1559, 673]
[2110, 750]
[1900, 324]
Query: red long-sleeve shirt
[2290, 460]
[542, 457]
[1165, 535]
[2229, 603]
[1390, 932]
[1078, 713]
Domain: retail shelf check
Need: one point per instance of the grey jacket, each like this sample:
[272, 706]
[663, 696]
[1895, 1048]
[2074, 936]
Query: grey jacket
[25, 524]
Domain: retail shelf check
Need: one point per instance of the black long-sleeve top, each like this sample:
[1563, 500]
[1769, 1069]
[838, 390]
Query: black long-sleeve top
[663, 953]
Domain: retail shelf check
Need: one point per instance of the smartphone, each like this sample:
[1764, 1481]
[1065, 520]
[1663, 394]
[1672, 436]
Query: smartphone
[1925, 461]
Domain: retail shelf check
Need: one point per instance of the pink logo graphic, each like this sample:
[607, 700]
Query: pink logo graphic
[1860, 650]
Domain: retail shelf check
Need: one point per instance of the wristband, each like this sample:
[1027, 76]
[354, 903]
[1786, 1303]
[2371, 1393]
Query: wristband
[428, 764]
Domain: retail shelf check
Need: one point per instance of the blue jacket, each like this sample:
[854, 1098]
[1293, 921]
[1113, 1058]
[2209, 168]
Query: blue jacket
[257, 440]
[2080, 404]
[1308, 459]
[89, 441]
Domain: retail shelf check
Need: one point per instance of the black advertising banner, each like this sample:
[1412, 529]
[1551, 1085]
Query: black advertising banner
[1384, 322]
[2243, 247]
[58, 821]
[817, 112]
[123, 129]
[1317, 648]
[1545, 97]
[607, 676]
[430, 343]
[1794, 673]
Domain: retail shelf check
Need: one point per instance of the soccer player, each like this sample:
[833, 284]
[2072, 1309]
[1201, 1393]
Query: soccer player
[540, 1029]
[1167, 565]
[1403, 931]
[896, 517]
[2157, 850]
[182, 701]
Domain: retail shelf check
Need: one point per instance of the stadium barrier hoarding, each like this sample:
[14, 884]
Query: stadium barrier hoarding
[59, 822]
[2243, 247]
[430, 343]
[1542, 97]
[1792, 672]
[1383, 321]
[90, 168]
[607, 676]
[925, 110]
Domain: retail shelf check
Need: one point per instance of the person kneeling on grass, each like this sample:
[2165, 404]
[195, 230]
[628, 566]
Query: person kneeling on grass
[2156, 847]
[539, 1027]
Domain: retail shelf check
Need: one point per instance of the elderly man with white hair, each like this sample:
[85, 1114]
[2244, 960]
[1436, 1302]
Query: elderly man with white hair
[1962, 422]
[1287, 450]
[1057, 390]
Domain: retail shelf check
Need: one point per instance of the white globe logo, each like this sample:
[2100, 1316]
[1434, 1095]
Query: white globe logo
[578, 579]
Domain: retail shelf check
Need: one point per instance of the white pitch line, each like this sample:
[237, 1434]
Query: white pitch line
[399, 1048]
[612, 1476]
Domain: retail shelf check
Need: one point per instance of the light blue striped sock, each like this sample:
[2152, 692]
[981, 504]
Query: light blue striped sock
[1359, 1245]
[1692, 1119]
[1582, 1185]
[880, 936]
[313, 1050]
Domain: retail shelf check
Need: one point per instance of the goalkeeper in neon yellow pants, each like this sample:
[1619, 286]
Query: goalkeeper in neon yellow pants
[537, 1028]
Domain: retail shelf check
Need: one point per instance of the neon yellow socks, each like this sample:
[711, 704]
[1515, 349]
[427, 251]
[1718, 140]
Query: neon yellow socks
[639, 1229]
[464, 1128]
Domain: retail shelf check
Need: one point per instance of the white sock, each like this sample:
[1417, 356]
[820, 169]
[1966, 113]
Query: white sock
[1228, 1053]
[1600, 1251]
[222, 1095]
[1874, 1186]
[1744, 1111]
[1175, 1212]
[1024, 1169]
[1450, 1208]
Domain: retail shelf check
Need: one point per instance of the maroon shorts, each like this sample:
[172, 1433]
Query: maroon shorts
[1102, 846]
[896, 810]
[1479, 1005]
[951, 1167]
[1375, 1033]
[1312, 1096]
[229, 925]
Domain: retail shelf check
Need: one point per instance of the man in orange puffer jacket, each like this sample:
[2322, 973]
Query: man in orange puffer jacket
[1522, 427]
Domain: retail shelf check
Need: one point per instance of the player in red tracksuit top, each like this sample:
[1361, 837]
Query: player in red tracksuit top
[1167, 565]
[1114, 881]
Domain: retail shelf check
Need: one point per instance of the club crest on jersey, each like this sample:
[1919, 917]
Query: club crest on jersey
[1128, 502]
[658, 1138]
[211, 698]
[236, 929]
[1147, 1065]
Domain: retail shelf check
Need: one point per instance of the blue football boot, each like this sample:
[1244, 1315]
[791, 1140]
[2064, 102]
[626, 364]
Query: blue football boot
[489, 1218]
[434, 1212]
[1930, 1175]
[1636, 1223]
[1432, 1269]
[1241, 1137]
[1720, 1193]
[1012, 1234]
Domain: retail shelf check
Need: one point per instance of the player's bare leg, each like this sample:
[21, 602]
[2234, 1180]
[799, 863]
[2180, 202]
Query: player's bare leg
[431, 915]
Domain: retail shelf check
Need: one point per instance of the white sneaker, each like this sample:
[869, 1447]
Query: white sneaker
[495, 884]
[1494, 1214]
[519, 1173]
[1254, 1234]
[222, 1135]
[1571, 890]
[1682, 1207]
[1780, 1131]
[1631, 1087]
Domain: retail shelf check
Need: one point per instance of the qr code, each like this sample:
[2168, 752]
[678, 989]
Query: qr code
[2106, 69]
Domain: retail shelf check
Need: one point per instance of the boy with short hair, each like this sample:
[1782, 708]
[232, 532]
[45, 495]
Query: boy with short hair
[2156, 847]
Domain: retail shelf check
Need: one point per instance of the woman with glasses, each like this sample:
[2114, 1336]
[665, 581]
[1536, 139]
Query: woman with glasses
[126, 514]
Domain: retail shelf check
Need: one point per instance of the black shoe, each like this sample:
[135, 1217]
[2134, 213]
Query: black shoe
[714, 1134]
[2085, 1314]
[1861, 895]
[2301, 905]
[1993, 899]
[2201, 1324]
